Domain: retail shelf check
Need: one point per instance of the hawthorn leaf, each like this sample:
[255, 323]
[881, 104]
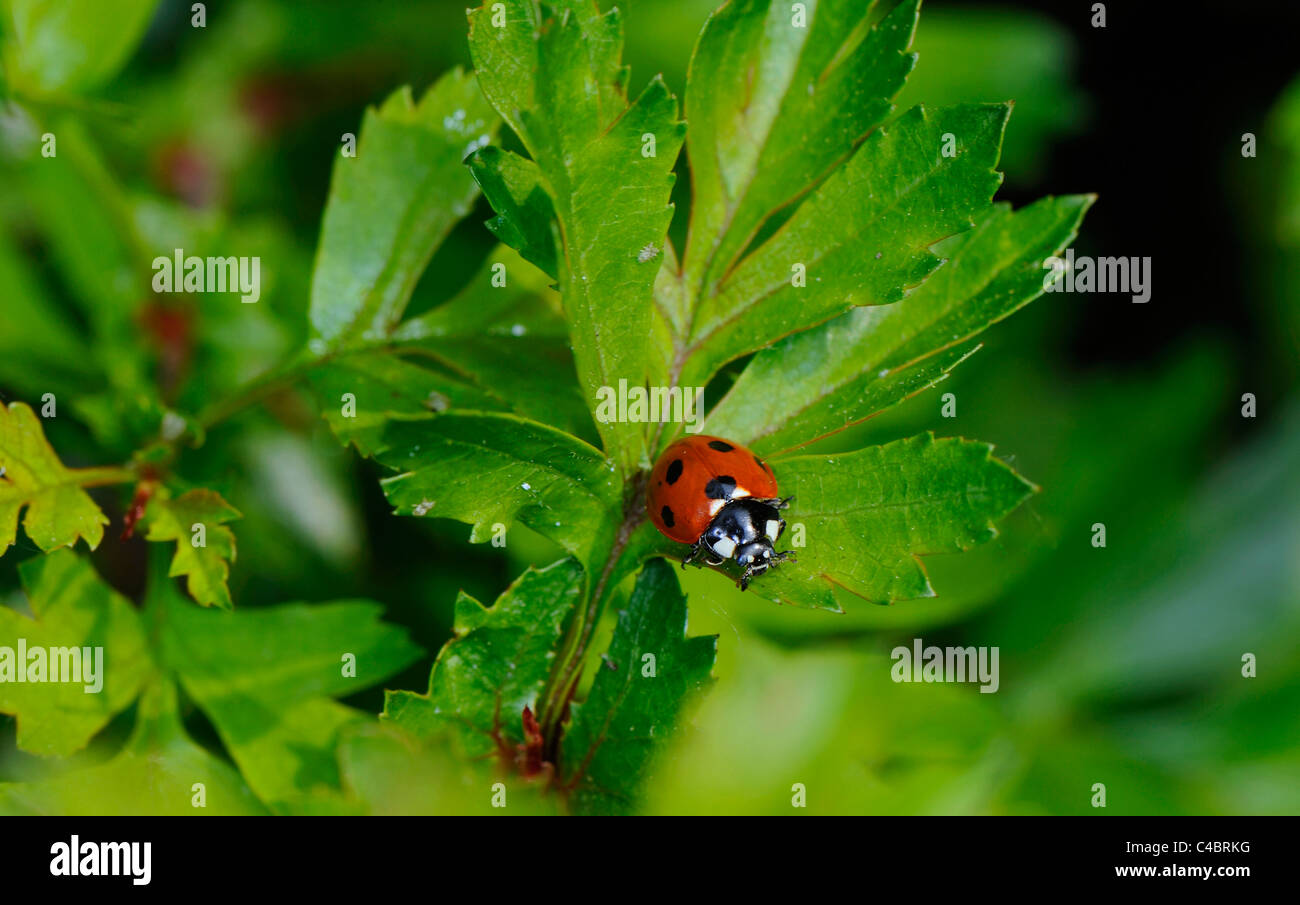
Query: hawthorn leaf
[636, 698]
[392, 205]
[822, 380]
[559, 83]
[496, 665]
[774, 107]
[59, 511]
[272, 702]
[489, 469]
[525, 214]
[194, 516]
[71, 45]
[490, 348]
[154, 773]
[74, 615]
[524, 306]
[361, 392]
[531, 376]
[862, 238]
[510, 341]
[867, 516]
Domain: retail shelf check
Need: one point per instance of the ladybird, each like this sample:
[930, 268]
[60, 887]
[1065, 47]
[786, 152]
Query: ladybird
[721, 499]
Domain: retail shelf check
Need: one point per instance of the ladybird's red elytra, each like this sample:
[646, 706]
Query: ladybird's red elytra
[721, 499]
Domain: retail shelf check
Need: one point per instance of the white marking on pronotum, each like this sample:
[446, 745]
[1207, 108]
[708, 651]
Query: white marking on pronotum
[649, 253]
[772, 527]
[724, 547]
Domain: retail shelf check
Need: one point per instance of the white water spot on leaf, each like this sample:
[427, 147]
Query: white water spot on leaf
[422, 507]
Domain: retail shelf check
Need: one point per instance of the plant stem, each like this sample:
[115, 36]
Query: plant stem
[570, 668]
[256, 390]
[103, 476]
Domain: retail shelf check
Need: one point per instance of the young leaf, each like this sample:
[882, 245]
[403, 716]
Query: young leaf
[31, 475]
[774, 106]
[559, 83]
[154, 773]
[72, 45]
[205, 547]
[79, 624]
[392, 205]
[636, 698]
[868, 515]
[525, 215]
[486, 469]
[496, 665]
[861, 239]
[819, 381]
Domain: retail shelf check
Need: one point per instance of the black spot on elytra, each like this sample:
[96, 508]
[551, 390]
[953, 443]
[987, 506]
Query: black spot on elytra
[720, 446]
[720, 488]
[667, 515]
[761, 464]
[674, 471]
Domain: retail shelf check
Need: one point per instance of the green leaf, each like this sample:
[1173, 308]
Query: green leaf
[612, 737]
[155, 773]
[774, 106]
[868, 515]
[70, 45]
[822, 380]
[73, 612]
[271, 702]
[40, 350]
[58, 510]
[491, 348]
[525, 215]
[361, 392]
[488, 469]
[559, 83]
[525, 306]
[863, 237]
[388, 772]
[206, 567]
[496, 665]
[986, 53]
[392, 205]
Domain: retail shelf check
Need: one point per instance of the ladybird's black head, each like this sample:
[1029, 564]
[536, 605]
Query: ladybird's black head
[756, 557]
[744, 530]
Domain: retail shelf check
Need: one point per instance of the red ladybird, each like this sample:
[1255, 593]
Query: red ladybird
[721, 499]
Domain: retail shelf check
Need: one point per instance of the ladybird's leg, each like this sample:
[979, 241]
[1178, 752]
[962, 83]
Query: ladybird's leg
[692, 555]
